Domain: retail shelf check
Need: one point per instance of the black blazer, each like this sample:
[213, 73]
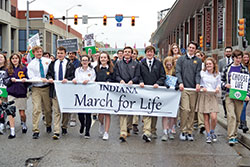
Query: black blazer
[156, 76]
[69, 75]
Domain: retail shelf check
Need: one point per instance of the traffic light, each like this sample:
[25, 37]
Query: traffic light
[201, 41]
[104, 20]
[133, 21]
[241, 27]
[75, 19]
[51, 19]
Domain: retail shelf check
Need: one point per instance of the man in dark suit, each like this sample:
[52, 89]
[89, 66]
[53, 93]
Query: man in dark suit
[152, 73]
[222, 63]
[63, 70]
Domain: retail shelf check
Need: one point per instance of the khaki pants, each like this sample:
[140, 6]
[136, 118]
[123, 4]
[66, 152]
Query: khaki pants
[187, 110]
[153, 125]
[234, 108]
[41, 99]
[123, 125]
[147, 125]
[132, 120]
[198, 116]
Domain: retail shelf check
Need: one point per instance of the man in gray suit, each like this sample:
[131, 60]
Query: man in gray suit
[222, 63]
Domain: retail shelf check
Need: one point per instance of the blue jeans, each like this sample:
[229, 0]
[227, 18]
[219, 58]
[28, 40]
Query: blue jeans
[243, 113]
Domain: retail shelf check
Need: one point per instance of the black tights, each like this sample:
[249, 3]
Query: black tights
[81, 117]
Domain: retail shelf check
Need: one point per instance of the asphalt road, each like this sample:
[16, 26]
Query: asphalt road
[74, 150]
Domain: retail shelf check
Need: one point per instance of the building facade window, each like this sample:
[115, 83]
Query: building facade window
[13, 11]
[220, 19]
[48, 41]
[12, 40]
[1, 4]
[54, 43]
[22, 39]
[246, 15]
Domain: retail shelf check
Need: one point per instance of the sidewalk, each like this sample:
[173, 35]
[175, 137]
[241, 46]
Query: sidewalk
[243, 137]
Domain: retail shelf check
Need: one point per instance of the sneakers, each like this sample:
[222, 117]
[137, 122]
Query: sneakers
[209, 140]
[122, 138]
[164, 137]
[236, 141]
[231, 142]
[35, 136]
[48, 129]
[154, 135]
[64, 131]
[101, 129]
[190, 137]
[202, 129]
[87, 135]
[105, 136]
[183, 137]
[171, 135]
[146, 138]
[56, 136]
[214, 137]
[81, 130]
[24, 130]
[11, 136]
[72, 123]
[135, 129]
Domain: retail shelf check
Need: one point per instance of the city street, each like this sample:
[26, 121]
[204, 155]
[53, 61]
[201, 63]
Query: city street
[74, 150]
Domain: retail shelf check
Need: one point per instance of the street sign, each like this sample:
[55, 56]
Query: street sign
[119, 24]
[119, 18]
[45, 18]
[84, 19]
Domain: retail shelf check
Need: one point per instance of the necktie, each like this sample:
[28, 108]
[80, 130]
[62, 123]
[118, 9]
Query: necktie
[41, 69]
[127, 61]
[60, 71]
[228, 60]
[149, 65]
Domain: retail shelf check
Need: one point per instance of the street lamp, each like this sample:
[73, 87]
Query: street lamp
[67, 33]
[89, 27]
[27, 21]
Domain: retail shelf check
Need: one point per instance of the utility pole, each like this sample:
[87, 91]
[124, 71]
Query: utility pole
[27, 22]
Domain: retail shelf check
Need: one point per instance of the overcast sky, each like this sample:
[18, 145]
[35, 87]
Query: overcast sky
[139, 34]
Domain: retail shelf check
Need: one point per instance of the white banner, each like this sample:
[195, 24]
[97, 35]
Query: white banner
[114, 98]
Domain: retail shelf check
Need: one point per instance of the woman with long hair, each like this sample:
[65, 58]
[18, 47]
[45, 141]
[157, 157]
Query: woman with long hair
[208, 103]
[174, 50]
[168, 123]
[104, 73]
[84, 74]
[17, 91]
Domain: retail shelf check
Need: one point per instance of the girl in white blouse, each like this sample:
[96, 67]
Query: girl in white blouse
[208, 103]
[84, 74]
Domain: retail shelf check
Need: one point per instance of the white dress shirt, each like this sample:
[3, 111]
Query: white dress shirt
[210, 81]
[34, 69]
[56, 68]
[81, 74]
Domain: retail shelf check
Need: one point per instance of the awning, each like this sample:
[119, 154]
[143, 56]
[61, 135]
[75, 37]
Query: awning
[179, 12]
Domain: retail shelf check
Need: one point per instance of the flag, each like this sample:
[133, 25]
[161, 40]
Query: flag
[134, 45]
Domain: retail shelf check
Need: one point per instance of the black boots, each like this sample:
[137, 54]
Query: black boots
[243, 126]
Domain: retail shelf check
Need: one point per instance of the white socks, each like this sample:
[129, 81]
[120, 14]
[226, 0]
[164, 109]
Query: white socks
[12, 131]
[165, 131]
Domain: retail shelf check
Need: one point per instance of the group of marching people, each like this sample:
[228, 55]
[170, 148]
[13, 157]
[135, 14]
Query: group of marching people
[198, 105]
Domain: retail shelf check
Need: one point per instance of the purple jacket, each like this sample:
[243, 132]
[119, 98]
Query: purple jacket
[17, 89]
